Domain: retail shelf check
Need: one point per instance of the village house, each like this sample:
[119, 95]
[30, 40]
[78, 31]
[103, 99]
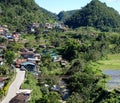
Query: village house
[63, 63]
[2, 81]
[10, 38]
[27, 55]
[57, 58]
[60, 26]
[36, 58]
[1, 59]
[25, 91]
[2, 47]
[36, 25]
[13, 37]
[24, 50]
[22, 96]
[51, 47]
[33, 26]
[42, 46]
[46, 31]
[18, 62]
[31, 56]
[3, 31]
[16, 36]
[48, 26]
[29, 66]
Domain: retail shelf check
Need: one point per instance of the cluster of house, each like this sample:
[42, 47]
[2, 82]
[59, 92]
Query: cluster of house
[5, 33]
[54, 25]
[28, 60]
[4, 30]
[60, 26]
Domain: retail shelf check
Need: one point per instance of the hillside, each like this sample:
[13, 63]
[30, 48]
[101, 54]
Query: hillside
[63, 15]
[95, 14]
[20, 13]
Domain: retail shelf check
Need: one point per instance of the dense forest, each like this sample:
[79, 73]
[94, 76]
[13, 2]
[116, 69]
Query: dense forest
[21, 13]
[95, 14]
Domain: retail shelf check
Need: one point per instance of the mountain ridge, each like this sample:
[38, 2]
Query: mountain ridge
[95, 14]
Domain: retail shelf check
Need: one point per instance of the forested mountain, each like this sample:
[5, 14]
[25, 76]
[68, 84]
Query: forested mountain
[95, 14]
[63, 15]
[20, 13]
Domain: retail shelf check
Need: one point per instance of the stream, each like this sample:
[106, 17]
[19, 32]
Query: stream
[114, 82]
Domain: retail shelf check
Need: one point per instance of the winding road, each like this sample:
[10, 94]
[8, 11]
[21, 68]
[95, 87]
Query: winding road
[14, 87]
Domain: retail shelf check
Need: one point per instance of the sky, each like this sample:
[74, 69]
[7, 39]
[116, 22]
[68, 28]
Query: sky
[56, 6]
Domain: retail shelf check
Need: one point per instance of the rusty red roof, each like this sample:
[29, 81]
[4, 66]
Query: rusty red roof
[26, 53]
[3, 78]
[20, 98]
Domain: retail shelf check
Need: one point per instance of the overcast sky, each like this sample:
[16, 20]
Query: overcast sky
[56, 6]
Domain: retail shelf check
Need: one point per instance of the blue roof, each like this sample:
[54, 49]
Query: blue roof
[10, 37]
[27, 63]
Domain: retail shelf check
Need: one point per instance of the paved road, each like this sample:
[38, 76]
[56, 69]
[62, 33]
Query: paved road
[14, 87]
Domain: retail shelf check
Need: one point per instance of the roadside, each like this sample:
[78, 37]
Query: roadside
[14, 87]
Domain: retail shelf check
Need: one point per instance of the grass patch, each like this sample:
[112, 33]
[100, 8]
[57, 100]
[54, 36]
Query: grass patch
[112, 62]
[31, 83]
[29, 37]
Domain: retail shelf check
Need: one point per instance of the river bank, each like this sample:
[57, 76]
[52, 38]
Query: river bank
[111, 68]
[112, 62]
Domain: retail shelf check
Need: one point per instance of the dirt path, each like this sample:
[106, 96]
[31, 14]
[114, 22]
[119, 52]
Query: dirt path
[14, 87]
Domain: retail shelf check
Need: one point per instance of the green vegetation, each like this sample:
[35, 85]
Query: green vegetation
[31, 83]
[4, 90]
[18, 14]
[84, 51]
[10, 56]
[112, 62]
[81, 48]
[96, 14]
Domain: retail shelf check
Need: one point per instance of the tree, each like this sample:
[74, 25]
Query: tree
[28, 45]
[84, 84]
[51, 97]
[77, 66]
[70, 50]
[74, 98]
[9, 57]
[3, 70]
[95, 14]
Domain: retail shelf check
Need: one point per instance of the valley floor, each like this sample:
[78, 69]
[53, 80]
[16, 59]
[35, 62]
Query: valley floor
[112, 62]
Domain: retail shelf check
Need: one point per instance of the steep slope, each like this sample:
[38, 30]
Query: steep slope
[20, 13]
[95, 14]
[64, 15]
